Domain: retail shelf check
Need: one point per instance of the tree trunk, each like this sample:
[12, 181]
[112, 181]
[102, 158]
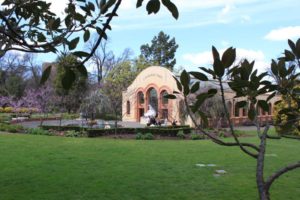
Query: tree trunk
[261, 185]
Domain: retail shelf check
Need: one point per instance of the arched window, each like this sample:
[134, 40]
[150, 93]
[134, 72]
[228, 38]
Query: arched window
[141, 98]
[153, 99]
[128, 107]
[164, 100]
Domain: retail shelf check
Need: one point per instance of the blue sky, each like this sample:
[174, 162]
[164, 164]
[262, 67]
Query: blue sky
[257, 28]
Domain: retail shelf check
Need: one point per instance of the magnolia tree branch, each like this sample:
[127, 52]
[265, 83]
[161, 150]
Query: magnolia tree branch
[231, 126]
[106, 26]
[280, 172]
[260, 165]
[216, 140]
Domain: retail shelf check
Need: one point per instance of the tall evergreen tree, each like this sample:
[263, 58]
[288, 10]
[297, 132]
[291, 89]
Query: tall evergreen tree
[161, 51]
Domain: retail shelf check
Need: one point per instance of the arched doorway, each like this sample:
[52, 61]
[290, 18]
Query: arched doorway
[152, 98]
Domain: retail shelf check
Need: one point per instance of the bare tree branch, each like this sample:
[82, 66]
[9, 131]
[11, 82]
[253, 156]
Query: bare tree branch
[216, 140]
[280, 172]
[106, 26]
[230, 123]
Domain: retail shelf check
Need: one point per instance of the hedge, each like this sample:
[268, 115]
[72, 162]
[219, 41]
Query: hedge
[172, 132]
[162, 130]
[62, 128]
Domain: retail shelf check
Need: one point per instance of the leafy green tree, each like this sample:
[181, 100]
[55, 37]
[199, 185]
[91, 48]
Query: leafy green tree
[15, 86]
[285, 74]
[286, 124]
[66, 72]
[161, 51]
[115, 83]
[139, 64]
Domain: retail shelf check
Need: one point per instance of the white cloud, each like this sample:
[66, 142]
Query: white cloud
[285, 33]
[192, 4]
[226, 9]
[205, 58]
[225, 43]
[127, 5]
[245, 19]
[58, 6]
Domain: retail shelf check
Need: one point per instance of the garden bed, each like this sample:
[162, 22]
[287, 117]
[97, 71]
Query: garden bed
[171, 131]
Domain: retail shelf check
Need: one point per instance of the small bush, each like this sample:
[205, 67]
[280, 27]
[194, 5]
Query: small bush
[8, 109]
[70, 115]
[33, 110]
[195, 136]
[238, 133]
[14, 128]
[221, 134]
[21, 110]
[72, 133]
[5, 118]
[181, 135]
[139, 136]
[63, 128]
[11, 128]
[148, 136]
[38, 131]
[3, 127]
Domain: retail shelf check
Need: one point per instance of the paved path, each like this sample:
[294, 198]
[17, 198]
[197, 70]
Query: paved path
[34, 124]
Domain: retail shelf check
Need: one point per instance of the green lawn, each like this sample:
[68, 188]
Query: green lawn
[44, 167]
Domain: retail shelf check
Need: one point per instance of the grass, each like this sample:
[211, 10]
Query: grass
[42, 167]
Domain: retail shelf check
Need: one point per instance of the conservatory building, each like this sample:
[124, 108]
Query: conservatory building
[147, 91]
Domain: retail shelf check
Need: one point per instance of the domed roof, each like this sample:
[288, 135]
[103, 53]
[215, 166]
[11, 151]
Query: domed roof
[154, 75]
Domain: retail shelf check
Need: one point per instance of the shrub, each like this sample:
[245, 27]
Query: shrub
[148, 136]
[70, 115]
[63, 128]
[14, 128]
[8, 109]
[181, 135]
[221, 134]
[11, 128]
[72, 133]
[139, 136]
[24, 110]
[38, 131]
[286, 124]
[3, 127]
[239, 133]
[33, 110]
[195, 136]
[1, 110]
[5, 118]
